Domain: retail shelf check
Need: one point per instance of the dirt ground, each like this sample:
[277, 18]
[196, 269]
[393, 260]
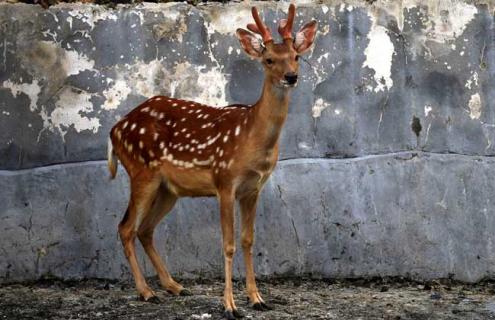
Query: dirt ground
[290, 299]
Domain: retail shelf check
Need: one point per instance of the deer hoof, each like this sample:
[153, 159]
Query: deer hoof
[232, 315]
[152, 299]
[229, 315]
[238, 314]
[261, 306]
[185, 293]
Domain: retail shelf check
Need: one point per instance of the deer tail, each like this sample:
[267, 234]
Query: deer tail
[112, 159]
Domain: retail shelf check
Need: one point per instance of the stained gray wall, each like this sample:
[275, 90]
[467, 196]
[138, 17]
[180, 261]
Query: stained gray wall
[357, 192]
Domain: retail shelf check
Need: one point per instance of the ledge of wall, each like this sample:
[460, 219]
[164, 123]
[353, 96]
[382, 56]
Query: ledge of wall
[420, 215]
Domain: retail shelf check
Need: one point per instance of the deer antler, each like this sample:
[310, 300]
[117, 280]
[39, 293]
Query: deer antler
[260, 28]
[285, 26]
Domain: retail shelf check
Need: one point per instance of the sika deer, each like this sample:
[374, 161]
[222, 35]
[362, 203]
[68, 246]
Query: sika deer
[174, 148]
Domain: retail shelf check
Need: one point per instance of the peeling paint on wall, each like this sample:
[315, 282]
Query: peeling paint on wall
[448, 20]
[92, 14]
[472, 81]
[115, 94]
[379, 54]
[32, 90]
[173, 26]
[319, 106]
[191, 53]
[199, 84]
[428, 109]
[227, 20]
[72, 109]
[147, 79]
[47, 59]
[475, 106]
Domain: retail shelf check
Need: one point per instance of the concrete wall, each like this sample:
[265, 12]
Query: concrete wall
[359, 190]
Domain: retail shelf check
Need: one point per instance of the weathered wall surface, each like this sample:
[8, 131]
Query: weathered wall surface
[358, 192]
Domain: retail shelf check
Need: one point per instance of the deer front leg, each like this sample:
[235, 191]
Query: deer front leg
[227, 201]
[248, 214]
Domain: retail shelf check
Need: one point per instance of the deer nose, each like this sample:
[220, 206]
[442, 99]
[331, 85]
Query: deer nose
[291, 77]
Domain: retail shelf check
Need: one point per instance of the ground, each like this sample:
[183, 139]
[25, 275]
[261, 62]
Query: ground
[290, 299]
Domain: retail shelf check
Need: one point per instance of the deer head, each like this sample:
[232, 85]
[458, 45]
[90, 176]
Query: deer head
[280, 60]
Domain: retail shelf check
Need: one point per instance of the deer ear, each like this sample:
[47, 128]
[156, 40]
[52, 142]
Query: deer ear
[305, 37]
[250, 43]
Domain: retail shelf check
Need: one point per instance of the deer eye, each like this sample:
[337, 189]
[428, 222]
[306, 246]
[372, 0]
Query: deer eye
[297, 57]
[269, 61]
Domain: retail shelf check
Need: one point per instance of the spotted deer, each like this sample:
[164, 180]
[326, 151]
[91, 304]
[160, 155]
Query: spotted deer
[175, 148]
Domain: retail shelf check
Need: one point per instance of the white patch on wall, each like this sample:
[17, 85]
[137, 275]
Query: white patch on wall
[444, 20]
[324, 30]
[428, 109]
[213, 83]
[186, 81]
[72, 62]
[475, 106]
[449, 19]
[379, 54]
[70, 110]
[195, 83]
[32, 90]
[228, 19]
[473, 80]
[76, 62]
[323, 69]
[319, 106]
[115, 94]
[91, 14]
[304, 145]
[146, 79]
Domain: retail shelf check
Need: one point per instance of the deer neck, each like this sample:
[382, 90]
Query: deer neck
[270, 114]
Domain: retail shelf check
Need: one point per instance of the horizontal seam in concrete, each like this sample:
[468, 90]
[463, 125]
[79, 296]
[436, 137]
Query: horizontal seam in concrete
[400, 155]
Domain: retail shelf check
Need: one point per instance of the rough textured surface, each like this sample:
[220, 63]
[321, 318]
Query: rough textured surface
[70, 71]
[406, 87]
[291, 299]
[409, 214]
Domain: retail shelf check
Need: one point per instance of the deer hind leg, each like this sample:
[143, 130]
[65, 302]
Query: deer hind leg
[163, 204]
[142, 195]
[247, 205]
